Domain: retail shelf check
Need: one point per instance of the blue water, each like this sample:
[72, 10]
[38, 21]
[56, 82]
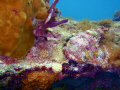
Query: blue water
[91, 9]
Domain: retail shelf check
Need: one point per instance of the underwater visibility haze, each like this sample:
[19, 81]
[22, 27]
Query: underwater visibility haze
[59, 45]
[91, 9]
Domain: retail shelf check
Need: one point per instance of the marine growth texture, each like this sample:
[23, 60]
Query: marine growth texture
[16, 30]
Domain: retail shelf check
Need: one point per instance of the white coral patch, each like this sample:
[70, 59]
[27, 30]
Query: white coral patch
[56, 67]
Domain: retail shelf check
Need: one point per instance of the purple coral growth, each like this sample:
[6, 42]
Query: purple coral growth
[49, 22]
[85, 47]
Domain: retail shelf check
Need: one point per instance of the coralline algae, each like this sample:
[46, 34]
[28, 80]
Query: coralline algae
[84, 47]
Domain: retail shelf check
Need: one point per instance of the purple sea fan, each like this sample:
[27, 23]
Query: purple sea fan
[84, 47]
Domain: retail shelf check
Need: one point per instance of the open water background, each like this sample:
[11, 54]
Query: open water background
[91, 9]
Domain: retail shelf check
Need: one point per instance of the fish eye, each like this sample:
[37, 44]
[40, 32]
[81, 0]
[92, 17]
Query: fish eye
[28, 3]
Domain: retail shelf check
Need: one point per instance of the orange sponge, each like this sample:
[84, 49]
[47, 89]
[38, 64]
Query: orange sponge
[16, 30]
[39, 80]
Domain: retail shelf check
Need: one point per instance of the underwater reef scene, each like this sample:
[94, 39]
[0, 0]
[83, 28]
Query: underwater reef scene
[41, 50]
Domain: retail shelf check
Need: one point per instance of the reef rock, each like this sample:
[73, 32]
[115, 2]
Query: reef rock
[117, 16]
[84, 47]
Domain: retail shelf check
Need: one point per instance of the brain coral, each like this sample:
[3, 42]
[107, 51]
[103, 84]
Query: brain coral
[16, 30]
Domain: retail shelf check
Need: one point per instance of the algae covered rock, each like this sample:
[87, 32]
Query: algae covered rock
[117, 16]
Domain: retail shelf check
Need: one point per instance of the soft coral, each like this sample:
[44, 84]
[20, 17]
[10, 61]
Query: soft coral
[49, 22]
